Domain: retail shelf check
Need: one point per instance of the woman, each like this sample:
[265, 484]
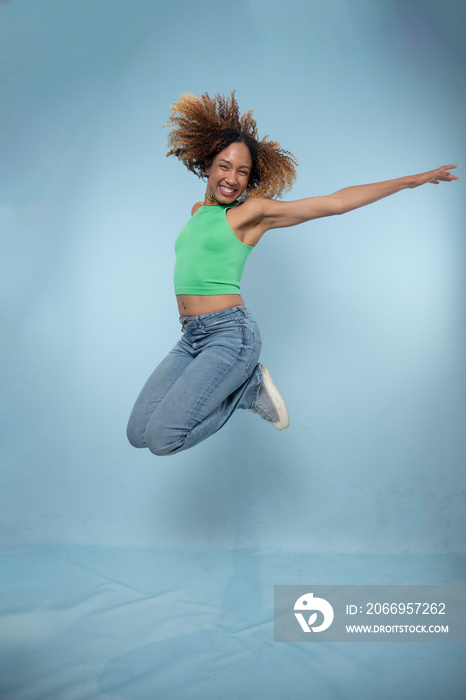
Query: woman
[213, 370]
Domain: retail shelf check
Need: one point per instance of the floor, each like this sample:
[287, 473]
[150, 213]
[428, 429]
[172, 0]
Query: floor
[97, 623]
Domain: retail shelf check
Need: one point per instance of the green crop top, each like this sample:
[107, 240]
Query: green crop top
[209, 257]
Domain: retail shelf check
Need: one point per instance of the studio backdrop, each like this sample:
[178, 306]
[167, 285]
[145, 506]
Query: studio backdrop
[362, 315]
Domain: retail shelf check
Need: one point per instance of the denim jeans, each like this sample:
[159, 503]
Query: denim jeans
[211, 371]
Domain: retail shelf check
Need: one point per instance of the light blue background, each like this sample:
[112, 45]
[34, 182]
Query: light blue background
[362, 316]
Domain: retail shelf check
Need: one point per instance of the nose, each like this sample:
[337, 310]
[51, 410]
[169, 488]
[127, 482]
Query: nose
[231, 178]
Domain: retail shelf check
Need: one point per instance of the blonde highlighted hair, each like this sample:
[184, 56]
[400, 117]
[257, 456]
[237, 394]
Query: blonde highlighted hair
[203, 126]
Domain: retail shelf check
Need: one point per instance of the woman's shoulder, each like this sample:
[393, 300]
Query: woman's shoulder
[196, 207]
[251, 210]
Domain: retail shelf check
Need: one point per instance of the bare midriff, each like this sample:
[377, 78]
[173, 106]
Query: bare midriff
[197, 305]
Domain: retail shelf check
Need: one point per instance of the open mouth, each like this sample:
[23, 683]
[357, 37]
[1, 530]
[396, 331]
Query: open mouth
[227, 191]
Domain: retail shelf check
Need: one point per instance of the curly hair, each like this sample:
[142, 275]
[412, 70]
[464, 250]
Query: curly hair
[204, 126]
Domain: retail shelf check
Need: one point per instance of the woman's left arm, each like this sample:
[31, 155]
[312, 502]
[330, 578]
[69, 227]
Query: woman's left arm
[276, 214]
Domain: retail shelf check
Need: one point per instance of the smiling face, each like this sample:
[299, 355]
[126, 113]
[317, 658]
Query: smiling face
[228, 175]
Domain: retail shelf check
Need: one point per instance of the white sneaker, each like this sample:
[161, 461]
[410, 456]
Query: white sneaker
[270, 405]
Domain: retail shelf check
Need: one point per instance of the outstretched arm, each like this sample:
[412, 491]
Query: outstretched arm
[280, 214]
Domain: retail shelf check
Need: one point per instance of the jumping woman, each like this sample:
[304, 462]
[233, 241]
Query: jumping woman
[214, 370]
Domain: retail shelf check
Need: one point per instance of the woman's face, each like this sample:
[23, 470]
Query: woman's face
[229, 174]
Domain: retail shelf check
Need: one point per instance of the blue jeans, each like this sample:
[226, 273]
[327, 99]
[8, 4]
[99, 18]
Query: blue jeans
[210, 373]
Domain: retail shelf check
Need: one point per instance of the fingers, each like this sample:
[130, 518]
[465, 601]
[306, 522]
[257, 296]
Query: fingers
[442, 174]
[445, 173]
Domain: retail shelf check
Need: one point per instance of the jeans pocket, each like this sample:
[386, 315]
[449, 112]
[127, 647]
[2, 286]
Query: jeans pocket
[224, 326]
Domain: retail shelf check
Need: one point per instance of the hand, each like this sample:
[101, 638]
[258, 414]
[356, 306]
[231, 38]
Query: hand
[436, 176]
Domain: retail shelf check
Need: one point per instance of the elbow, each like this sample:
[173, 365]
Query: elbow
[339, 206]
[333, 204]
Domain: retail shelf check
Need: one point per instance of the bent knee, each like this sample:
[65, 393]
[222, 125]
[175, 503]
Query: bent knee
[160, 450]
[162, 447]
[163, 441]
[135, 434]
[154, 443]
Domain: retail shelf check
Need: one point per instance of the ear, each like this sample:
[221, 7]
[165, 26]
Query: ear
[207, 166]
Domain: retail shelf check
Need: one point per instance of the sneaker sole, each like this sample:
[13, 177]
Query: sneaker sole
[280, 406]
